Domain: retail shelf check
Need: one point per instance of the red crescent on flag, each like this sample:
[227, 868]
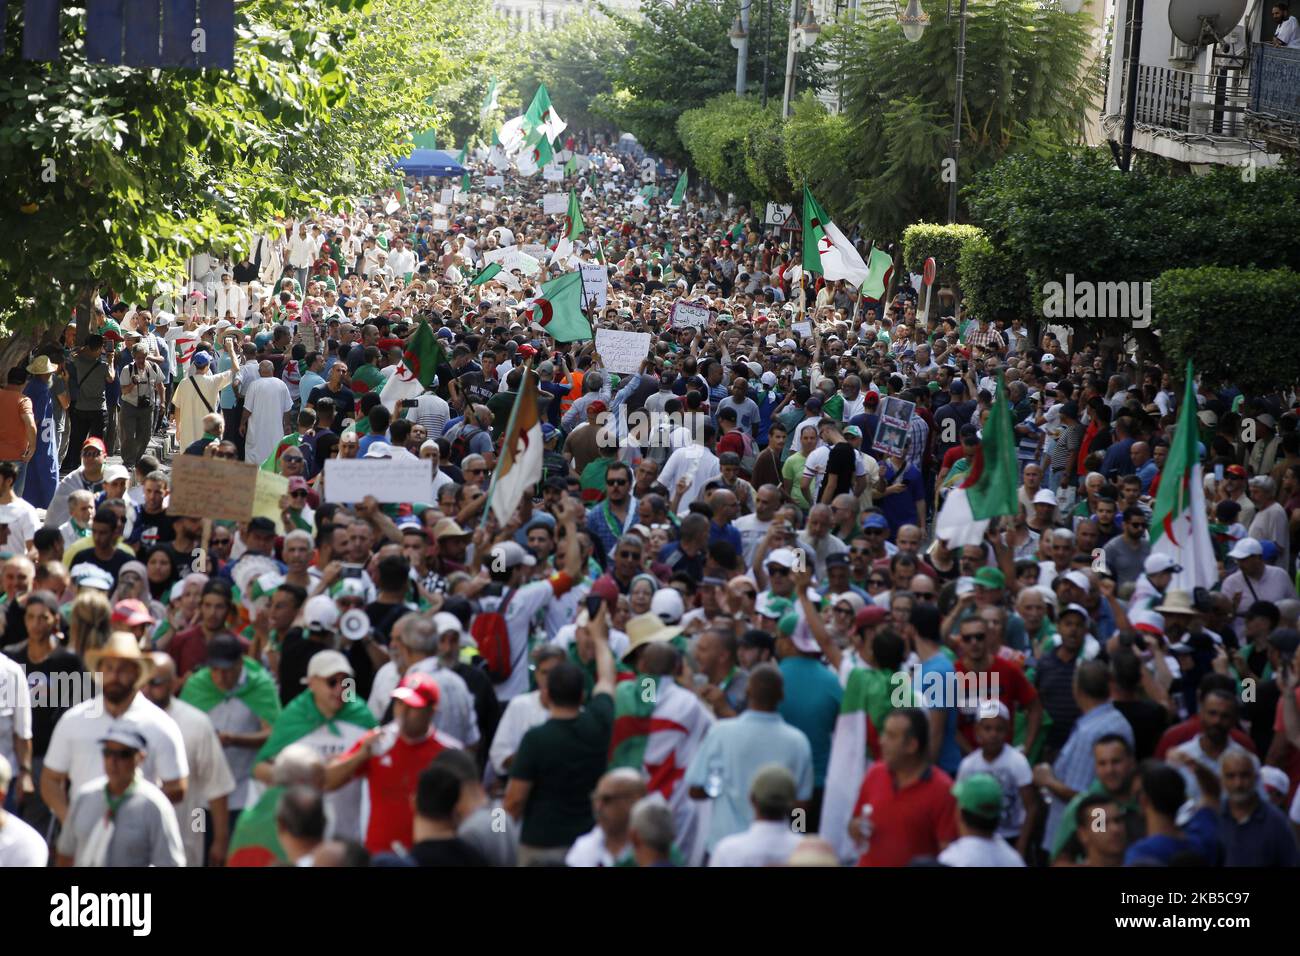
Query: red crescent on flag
[1169, 530]
[824, 244]
[547, 313]
[568, 224]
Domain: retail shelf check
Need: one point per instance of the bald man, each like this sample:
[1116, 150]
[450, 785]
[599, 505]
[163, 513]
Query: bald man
[608, 844]
[266, 402]
[203, 815]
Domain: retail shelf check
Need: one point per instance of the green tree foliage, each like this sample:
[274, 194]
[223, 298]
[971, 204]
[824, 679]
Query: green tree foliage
[993, 284]
[1189, 309]
[1029, 78]
[115, 176]
[1132, 227]
[679, 57]
[944, 243]
[575, 62]
[736, 146]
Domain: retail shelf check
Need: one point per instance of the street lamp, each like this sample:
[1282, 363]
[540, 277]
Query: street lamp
[737, 35]
[913, 20]
[803, 34]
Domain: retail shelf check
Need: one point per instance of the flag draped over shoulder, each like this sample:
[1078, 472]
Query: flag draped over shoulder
[257, 691]
[990, 488]
[557, 311]
[272, 461]
[826, 250]
[301, 717]
[520, 467]
[1179, 525]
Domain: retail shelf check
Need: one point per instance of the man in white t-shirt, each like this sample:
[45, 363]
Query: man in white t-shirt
[73, 757]
[18, 519]
[753, 527]
[1285, 30]
[20, 844]
[979, 802]
[1005, 764]
[15, 720]
[607, 844]
[769, 841]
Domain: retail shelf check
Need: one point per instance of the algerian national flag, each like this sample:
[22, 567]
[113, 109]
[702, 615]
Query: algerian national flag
[301, 719]
[573, 224]
[826, 250]
[536, 153]
[880, 266]
[486, 275]
[737, 233]
[255, 842]
[489, 102]
[257, 691]
[416, 371]
[571, 167]
[273, 460]
[541, 116]
[520, 467]
[679, 194]
[658, 727]
[498, 159]
[512, 135]
[557, 311]
[1179, 526]
[990, 488]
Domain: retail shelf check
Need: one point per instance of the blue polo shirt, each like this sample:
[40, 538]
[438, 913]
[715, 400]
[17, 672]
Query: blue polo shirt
[812, 704]
[1200, 836]
[727, 533]
[733, 752]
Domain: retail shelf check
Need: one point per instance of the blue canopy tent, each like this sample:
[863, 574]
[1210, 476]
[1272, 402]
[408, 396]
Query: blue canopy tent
[430, 162]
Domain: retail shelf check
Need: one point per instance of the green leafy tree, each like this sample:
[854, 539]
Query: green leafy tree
[1030, 76]
[992, 282]
[943, 243]
[736, 145]
[1132, 227]
[1190, 306]
[679, 57]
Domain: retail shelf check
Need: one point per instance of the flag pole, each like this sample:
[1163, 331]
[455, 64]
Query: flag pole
[510, 427]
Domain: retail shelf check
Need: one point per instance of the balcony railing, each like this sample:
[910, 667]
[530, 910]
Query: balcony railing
[1187, 102]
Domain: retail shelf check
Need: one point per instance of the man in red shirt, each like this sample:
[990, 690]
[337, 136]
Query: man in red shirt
[1004, 681]
[1189, 728]
[905, 808]
[391, 759]
[189, 649]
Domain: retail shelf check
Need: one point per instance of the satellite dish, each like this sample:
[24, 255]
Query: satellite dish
[1202, 22]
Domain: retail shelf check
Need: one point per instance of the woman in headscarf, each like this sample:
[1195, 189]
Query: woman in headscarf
[160, 573]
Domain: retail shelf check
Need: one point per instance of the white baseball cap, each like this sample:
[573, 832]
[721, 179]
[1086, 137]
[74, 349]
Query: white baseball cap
[320, 613]
[1160, 563]
[1079, 580]
[1045, 496]
[327, 664]
[667, 605]
[1246, 548]
[782, 556]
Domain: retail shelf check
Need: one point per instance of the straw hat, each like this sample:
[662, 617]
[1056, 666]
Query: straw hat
[41, 365]
[122, 646]
[648, 629]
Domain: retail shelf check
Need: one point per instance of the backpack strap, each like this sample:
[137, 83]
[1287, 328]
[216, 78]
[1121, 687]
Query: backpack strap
[203, 398]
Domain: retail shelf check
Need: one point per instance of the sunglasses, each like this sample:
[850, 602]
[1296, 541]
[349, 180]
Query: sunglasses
[336, 681]
[615, 482]
[878, 582]
[859, 551]
[844, 610]
[974, 637]
[630, 555]
[292, 458]
[475, 471]
[873, 531]
[776, 569]
[923, 595]
[113, 753]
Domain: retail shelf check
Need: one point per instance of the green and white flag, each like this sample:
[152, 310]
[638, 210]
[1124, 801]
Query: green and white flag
[541, 116]
[463, 158]
[1179, 526]
[679, 194]
[557, 310]
[826, 250]
[990, 488]
[489, 102]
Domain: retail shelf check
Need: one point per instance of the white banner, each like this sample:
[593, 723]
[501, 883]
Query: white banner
[595, 283]
[494, 182]
[688, 316]
[487, 205]
[553, 174]
[804, 329]
[525, 263]
[534, 249]
[446, 197]
[439, 209]
[498, 255]
[622, 352]
[349, 480]
[553, 203]
[440, 225]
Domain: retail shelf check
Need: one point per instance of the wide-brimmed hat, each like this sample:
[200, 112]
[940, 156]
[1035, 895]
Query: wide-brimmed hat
[121, 645]
[1177, 602]
[41, 365]
[648, 629]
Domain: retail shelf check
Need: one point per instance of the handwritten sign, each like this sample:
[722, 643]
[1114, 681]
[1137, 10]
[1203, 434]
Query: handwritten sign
[522, 261]
[804, 329]
[440, 225]
[534, 249]
[622, 352]
[595, 285]
[553, 174]
[497, 255]
[895, 426]
[555, 204]
[688, 316]
[267, 492]
[494, 182]
[214, 488]
[487, 205]
[439, 209]
[445, 197]
[349, 480]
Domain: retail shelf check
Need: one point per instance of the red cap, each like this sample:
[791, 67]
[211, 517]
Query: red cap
[597, 406]
[871, 396]
[131, 613]
[605, 589]
[870, 616]
[1237, 471]
[526, 350]
[97, 442]
[417, 690]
